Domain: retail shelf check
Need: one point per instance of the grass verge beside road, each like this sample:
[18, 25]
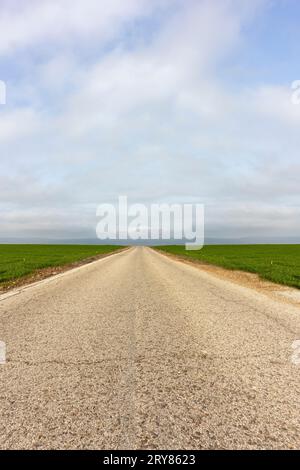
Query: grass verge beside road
[19, 263]
[276, 263]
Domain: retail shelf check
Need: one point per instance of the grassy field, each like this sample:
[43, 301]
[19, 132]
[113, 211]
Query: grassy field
[17, 261]
[277, 263]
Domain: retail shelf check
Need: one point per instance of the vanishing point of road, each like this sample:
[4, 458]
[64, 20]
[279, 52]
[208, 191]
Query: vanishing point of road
[138, 350]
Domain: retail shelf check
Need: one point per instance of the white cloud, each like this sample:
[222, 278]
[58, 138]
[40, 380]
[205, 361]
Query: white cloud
[18, 123]
[154, 119]
[26, 24]
[275, 103]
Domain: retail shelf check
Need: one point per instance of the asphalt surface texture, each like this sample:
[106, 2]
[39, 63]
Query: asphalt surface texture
[140, 351]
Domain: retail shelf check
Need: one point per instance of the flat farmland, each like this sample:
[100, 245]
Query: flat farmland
[276, 263]
[22, 261]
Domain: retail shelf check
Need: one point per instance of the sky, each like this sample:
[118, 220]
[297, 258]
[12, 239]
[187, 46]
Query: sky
[162, 101]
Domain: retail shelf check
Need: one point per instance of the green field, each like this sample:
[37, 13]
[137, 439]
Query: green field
[17, 261]
[277, 263]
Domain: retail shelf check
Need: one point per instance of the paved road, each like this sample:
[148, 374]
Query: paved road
[141, 351]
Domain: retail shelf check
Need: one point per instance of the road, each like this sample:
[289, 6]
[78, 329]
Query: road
[138, 350]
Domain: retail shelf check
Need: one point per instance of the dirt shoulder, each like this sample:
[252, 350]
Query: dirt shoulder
[44, 273]
[284, 294]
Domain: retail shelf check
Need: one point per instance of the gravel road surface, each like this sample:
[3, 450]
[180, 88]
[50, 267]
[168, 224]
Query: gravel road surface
[138, 350]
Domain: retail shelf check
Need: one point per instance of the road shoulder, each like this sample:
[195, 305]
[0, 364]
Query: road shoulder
[52, 273]
[278, 292]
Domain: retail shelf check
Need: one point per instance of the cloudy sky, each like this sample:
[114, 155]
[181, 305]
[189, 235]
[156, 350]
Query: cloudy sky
[160, 100]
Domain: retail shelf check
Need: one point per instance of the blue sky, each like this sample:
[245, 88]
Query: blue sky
[164, 101]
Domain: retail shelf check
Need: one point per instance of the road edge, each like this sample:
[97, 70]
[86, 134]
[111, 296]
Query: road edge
[18, 290]
[277, 292]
